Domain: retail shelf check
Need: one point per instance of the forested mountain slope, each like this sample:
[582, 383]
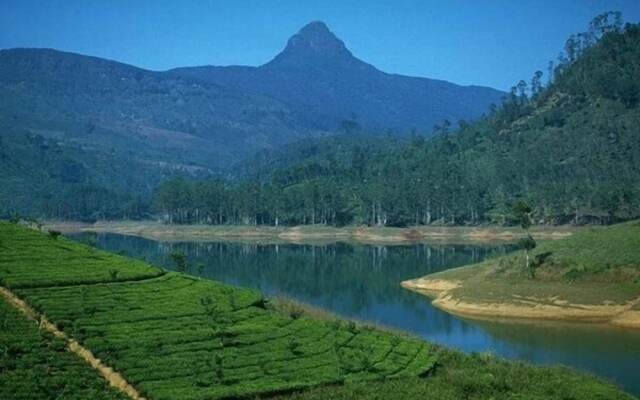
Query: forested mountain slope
[39, 176]
[572, 150]
[105, 104]
[318, 74]
[332, 152]
[86, 138]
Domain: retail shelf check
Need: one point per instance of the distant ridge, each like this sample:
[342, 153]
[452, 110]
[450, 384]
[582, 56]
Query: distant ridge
[317, 72]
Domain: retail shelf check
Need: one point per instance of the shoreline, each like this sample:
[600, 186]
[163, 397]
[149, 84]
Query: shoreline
[528, 309]
[319, 234]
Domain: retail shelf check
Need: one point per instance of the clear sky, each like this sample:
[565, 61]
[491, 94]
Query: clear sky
[484, 42]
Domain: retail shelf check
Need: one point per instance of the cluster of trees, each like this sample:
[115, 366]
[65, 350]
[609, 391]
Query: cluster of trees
[570, 148]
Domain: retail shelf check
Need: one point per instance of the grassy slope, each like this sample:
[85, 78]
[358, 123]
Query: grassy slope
[177, 337]
[35, 365]
[595, 267]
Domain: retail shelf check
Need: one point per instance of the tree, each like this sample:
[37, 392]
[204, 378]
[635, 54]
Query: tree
[571, 48]
[53, 234]
[528, 243]
[522, 215]
[536, 84]
[550, 72]
[200, 268]
[180, 260]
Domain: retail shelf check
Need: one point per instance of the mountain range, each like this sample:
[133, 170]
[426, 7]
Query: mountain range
[317, 73]
[210, 117]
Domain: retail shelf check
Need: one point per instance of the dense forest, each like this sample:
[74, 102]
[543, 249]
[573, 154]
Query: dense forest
[41, 177]
[570, 147]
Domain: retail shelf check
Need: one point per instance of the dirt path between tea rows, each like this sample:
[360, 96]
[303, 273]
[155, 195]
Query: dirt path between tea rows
[114, 378]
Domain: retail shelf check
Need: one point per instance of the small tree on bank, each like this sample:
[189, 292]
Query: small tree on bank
[180, 260]
[522, 214]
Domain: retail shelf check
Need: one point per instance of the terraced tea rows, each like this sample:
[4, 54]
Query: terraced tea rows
[35, 365]
[173, 336]
[178, 337]
[32, 259]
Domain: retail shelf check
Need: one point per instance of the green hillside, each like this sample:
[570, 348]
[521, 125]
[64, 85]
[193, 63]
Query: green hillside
[593, 275]
[41, 177]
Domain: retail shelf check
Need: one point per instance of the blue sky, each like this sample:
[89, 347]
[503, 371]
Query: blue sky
[484, 42]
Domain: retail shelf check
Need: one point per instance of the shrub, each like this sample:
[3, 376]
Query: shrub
[180, 261]
[53, 234]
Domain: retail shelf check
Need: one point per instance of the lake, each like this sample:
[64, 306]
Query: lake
[363, 282]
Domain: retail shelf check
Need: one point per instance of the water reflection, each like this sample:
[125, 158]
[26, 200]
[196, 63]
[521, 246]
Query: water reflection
[362, 282]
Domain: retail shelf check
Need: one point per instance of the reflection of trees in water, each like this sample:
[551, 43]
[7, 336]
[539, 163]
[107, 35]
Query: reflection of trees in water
[337, 276]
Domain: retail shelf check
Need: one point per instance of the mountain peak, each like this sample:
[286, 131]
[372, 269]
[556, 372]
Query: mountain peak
[316, 29]
[314, 41]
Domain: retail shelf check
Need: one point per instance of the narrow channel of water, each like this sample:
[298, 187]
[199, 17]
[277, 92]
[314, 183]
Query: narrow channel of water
[363, 282]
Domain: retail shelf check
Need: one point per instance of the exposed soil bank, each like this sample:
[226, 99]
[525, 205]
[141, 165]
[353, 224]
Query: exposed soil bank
[314, 233]
[442, 291]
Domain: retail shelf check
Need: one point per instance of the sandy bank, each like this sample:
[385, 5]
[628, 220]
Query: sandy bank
[442, 292]
[315, 233]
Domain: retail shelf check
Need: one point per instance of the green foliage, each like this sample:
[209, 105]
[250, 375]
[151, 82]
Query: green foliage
[180, 261]
[53, 234]
[34, 260]
[200, 267]
[41, 177]
[34, 365]
[472, 377]
[522, 214]
[527, 243]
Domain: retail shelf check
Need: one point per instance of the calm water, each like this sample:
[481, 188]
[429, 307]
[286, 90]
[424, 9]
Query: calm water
[363, 282]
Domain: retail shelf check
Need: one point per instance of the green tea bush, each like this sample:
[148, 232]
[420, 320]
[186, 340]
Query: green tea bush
[35, 365]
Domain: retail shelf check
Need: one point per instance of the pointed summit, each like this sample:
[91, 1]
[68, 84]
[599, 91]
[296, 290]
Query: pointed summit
[313, 43]
[316, 28]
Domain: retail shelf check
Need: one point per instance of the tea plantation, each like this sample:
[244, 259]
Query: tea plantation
[31, 259]
[173, 336]
[35, 365]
